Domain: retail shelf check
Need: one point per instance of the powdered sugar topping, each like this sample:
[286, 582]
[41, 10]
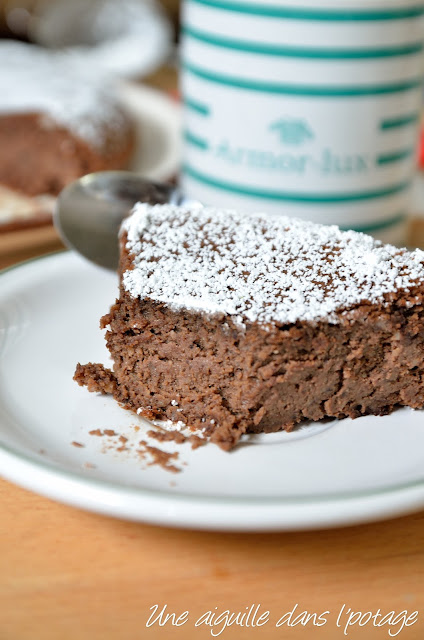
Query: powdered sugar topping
[257, 267]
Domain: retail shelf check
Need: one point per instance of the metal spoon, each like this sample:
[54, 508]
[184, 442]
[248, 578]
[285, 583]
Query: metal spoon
[89, 211]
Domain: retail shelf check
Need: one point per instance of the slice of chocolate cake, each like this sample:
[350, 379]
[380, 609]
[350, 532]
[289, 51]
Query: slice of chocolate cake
[58, 121]
[248, 323]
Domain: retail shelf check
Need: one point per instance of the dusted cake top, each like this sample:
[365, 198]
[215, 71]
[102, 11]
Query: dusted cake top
[50, 83]
[259, 268]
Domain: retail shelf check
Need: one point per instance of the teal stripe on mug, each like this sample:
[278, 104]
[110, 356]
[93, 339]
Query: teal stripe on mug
[394, 156]
[195, 141]
[311, 198]
[198, 107]
[302, 90]
[306, 13]
[376, 226]
[287, 51]
[398, 121]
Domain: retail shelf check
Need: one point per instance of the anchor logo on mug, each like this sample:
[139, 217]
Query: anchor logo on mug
[292, 130]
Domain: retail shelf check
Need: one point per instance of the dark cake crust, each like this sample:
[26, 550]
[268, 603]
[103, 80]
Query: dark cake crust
[229, 380]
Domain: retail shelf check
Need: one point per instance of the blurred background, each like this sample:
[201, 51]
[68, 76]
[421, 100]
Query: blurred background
[93, 23]
[130, 45]
[25, 19]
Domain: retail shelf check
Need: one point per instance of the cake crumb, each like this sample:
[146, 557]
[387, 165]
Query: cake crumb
[167, 436]
[95, 377]
[77, 444]
[151, 455]
[176, 436]
[96, 432]
[196, 441]
[163, 458]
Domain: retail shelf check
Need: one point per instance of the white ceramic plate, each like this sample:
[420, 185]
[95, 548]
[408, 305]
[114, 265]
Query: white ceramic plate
[158, 127]
[338, 472]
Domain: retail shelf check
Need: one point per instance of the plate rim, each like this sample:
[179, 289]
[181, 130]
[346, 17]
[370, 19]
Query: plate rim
[203, 512]
[407, 497]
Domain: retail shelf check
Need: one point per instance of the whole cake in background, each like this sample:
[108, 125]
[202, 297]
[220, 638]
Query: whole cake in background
[238, 324]
[57, 123]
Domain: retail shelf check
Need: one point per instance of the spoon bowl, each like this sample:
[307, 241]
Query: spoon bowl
[89, 211]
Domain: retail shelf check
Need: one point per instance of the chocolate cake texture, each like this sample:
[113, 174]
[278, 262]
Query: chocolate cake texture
[236, 324]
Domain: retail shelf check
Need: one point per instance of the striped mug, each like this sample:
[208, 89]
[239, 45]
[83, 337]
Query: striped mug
[307, 110]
